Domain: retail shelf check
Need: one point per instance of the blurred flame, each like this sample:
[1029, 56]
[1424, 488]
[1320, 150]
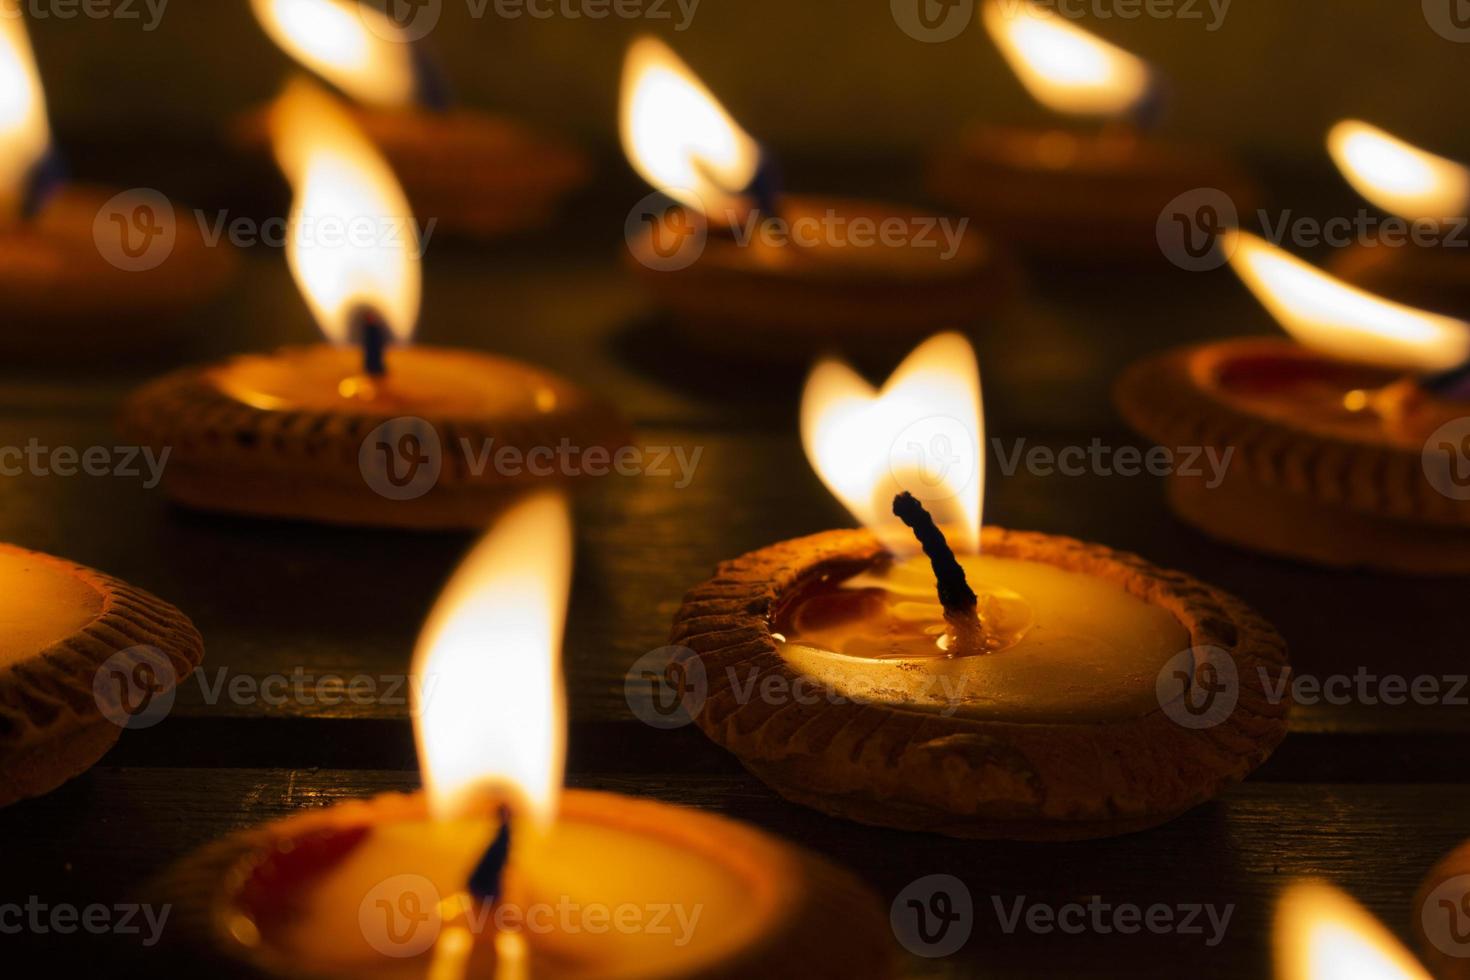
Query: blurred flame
[356, 48]
[1322, 934]
[1064, 67]
[1329, 315]
[859, 440]
[1396, 176]
[24, 133]
[340, 180]
[677, 135]
[489, 713]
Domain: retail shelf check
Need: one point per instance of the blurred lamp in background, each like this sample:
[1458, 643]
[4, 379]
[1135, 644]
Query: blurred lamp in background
[1088, 187]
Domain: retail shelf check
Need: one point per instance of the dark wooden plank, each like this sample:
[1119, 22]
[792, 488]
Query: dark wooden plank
[99, 838]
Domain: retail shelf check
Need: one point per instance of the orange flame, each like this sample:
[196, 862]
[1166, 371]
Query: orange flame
[1327, 314]
[1064, 67]
[353, 241]
[356, 48]
[924, 432]
[677, 135]
[1396, 176]
[489, 711]
[1322, 934]
[24, 131]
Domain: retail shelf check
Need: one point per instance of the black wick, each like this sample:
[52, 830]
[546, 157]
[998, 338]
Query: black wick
[368, 328]
[955, 593]
[487, 881]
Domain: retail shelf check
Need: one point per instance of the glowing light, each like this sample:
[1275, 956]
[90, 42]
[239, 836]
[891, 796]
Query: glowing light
[1396, 176]
[24, 132]
[489, 711]
[678, 136]
[356, 48]
[1327, 314]
[922, 433]
[353, 242]
[1064, 67]
[1322, 934]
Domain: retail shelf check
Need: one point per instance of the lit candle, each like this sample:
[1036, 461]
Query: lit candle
[1337, 437]
[1004, 697]
[1092, 190]
[1419, 260]
[364, 428]
[76, 259]
[82, 657]
[473, 174]
[742, 267]
[1322, 934]
[573, 888]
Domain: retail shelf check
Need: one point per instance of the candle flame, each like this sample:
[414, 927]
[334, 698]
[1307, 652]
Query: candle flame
[1396, 176]
[1327, 314]
[1064, 67]
[677, 135]
[24, 132]
[1322, 934]
[489, 713]
[353, 243]
[923, 433]
[356, 48]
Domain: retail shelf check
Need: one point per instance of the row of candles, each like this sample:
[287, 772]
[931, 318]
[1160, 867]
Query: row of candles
[491, 739]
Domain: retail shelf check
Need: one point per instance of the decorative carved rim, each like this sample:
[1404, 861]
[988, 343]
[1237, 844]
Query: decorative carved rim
[965, 776]
[206, 427]
[1162, 398]
[822, 919]
[47, 702]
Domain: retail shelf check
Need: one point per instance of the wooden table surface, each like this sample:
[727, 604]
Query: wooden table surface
[1365, 795]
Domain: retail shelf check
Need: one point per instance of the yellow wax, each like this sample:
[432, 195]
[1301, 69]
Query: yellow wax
[426, 380]
[1062, 646]
[41, 602]
[597, 900]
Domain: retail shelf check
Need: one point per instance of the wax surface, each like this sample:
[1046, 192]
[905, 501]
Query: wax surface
[703, 908]
[1060, 645]
[40, 603]
[426, 380]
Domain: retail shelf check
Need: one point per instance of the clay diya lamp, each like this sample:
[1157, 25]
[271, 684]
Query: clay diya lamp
[363, 429]
[1090, 191]
[84, 657]
[1429, 264]
[1322, 934]
[745, 268]
[494, 870]
[1003, 684]
[470, 172]
[1345, 441]
[78, 262]
[1442, 916]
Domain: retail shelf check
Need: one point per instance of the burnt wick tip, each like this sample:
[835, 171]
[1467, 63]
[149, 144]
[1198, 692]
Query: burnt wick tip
[955, 593]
